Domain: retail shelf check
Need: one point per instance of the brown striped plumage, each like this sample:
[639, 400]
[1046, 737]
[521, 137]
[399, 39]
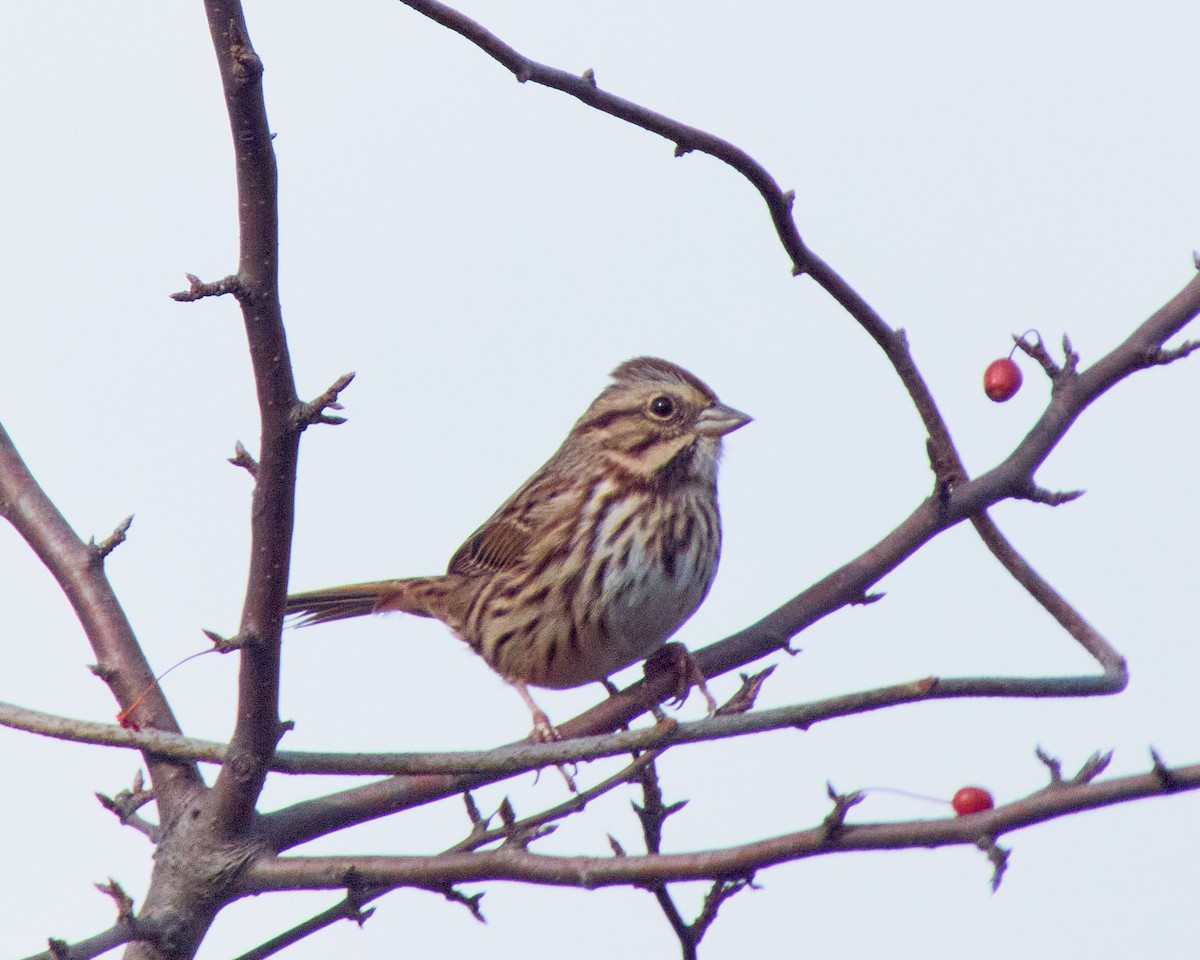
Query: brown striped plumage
[598, 558]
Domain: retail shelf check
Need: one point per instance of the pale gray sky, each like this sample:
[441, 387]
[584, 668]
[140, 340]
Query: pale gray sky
[483, 253]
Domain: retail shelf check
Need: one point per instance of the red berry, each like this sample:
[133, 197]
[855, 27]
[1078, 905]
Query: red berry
[1002, 379]
[972, 800]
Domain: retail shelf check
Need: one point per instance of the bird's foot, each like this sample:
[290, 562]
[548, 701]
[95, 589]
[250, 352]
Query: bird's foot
[543, 730]
[674, 660]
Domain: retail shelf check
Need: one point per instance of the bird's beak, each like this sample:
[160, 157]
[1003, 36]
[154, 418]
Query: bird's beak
[718, 420]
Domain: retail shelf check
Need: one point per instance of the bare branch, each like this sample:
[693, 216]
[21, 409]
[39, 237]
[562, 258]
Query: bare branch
[1165, 356]
[1053, 764]
[198, 289]
[480, 836]
[653, 814]
[257, 731]
[470, 901]
[512, 862]
[1036, 350]
[123, 901]
[998, 855]
[743, 700]
[349, 908]
[779, 202]
[1095, 765]
[721, 891]
[242, 458]
[584, 87]
[112, 541]
[126, 805]
[1115, 671]
[835, 821]
[120, 661]
[1167, 777]
[307, 414]
[138, 931]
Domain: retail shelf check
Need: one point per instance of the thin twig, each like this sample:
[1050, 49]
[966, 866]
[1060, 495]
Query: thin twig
[349, 907]
[482, 837]
[139, 931]
[834, 835]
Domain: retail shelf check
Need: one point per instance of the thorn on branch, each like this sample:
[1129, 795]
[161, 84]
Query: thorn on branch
[743, 700]
[361, 916]
[1163, 772]
[789, 198]
[1053, 764]
[1095, 765]
[998, 856]
[471, 901]
[508, 816]
[522, 836]
[835, 821]
[59, 949]
[110, 543]
[198, 289]
[589, 77]
[307, 414]
[866, 599]
[241, 458]
[617, 849]
[1052, 498]
[473, 811]
[123, 901]
[682, 149]
[785, 644]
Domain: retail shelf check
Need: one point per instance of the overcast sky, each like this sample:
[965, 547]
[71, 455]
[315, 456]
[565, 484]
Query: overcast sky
[483, 253]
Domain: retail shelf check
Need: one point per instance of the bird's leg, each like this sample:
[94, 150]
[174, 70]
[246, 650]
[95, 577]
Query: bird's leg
[543, 730]
[673, 659]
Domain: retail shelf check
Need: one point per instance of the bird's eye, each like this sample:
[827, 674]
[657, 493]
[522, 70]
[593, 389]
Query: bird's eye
[662, 407]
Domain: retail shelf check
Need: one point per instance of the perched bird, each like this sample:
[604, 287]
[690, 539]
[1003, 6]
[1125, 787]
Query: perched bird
[597, 559]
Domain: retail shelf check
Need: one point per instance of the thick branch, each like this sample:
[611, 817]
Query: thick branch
[79, 571]
[257, 289]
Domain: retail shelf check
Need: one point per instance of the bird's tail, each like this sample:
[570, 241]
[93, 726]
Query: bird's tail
[359, 599]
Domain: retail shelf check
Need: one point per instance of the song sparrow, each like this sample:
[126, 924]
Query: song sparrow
[598, 558]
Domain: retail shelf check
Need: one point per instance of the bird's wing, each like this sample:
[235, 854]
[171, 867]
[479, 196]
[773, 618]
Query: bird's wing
[494, 546]
[514, 531]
